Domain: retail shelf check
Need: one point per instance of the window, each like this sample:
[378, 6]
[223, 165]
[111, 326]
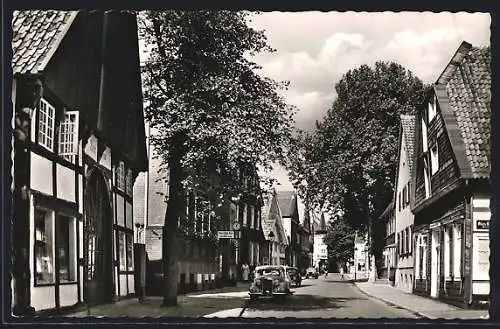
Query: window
[424, 257]
[245, 222]
[434, 159]
[427, 179]
[44, 247]
[447, 255]
[129, 182]
[399, 198]
[68, 136]
[404, 197]
[46, 115]
[122, 251]
[457, 250]
[120, 176]
[424, 136]
[130, 253]
[65, 233]
[252, 215]
[432, 108]
[408, 193]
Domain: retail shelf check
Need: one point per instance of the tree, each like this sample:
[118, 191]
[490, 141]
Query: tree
[340, 241]
[349, 161]
[212, 113]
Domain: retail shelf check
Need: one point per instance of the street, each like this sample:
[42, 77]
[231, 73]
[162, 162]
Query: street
[318, 298]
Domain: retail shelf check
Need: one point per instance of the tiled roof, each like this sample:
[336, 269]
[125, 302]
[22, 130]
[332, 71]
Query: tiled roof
[469, 95]
[408, 124]
[36, 36]
[287, 201]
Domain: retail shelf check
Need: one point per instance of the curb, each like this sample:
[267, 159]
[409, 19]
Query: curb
[417, 313]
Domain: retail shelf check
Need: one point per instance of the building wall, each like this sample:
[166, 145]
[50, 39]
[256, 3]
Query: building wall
[448, 169]
[404, 224]
[320, 249]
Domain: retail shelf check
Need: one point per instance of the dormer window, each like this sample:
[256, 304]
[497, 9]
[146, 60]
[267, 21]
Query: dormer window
[432, 108]
[434, 159]
[46, 119]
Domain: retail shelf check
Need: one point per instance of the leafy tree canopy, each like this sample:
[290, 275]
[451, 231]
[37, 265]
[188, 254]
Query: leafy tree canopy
[349, 162]
[340, 240]
[204, 91]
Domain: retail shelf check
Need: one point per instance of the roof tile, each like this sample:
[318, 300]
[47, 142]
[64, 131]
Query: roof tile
[469, 96]
[32, 27]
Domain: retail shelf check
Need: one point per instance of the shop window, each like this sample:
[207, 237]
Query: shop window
[44, 247]
[65, 233]
[122, 251]
[68, 136]
[46, 116]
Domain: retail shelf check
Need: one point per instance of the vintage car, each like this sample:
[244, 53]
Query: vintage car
[270, 280]
[294, 275]
[312, 273]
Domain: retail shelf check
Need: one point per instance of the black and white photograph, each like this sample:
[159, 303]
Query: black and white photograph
[217, 164]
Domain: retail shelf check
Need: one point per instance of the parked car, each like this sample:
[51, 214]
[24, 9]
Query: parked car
[312, 273]
[294, 275]
[270, 280]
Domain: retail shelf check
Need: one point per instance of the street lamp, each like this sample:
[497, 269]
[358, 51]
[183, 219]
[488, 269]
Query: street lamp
[271, 239]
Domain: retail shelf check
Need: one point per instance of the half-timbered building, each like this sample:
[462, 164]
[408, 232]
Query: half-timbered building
[451, 172]
[273, 230]
[85, 145]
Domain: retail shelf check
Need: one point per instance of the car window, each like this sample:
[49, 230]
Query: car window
[268, 271]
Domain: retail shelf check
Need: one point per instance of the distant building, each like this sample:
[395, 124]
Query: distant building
[287, 201]
[277, 242]
[359, 262]
[320, 249]
[402, 212]
[390, 256]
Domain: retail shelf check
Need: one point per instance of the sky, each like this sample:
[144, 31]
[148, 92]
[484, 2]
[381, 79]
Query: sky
[314, 49]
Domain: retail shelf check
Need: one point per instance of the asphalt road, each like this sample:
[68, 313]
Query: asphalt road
[325, 298]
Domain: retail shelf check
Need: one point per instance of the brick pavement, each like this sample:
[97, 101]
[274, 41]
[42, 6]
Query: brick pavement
[425, 307]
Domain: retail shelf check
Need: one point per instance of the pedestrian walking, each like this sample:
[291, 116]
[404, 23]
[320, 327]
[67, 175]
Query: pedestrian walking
[245, 271]
[341, 273]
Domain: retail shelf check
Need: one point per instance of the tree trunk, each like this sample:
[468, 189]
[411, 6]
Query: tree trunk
[171, 227]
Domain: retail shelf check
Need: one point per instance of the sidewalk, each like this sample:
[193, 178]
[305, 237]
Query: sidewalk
[187, 306]
[422, 306]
